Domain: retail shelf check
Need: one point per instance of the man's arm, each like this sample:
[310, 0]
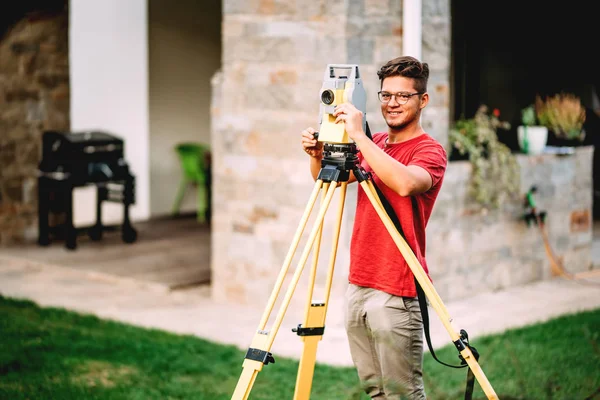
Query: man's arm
[402, 179]
[315, 166]
[314, 149]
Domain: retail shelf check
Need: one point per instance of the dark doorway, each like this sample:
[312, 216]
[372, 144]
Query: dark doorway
[504, 56]
[30, 9]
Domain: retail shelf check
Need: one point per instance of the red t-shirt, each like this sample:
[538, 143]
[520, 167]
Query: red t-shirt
[375, 260]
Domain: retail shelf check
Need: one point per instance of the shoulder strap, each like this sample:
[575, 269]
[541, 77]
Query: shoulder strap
[420, 293]
[423, 306]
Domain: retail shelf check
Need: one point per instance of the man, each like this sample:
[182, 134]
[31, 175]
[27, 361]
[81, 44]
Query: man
[383, 319]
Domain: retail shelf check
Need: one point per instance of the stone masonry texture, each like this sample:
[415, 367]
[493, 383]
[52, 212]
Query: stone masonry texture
[34, 97]
[274, 57]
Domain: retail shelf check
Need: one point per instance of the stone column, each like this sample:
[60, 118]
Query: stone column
[34, 97]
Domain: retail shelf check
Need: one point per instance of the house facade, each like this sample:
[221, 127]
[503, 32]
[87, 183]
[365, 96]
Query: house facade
[266, 92]
[259, 88]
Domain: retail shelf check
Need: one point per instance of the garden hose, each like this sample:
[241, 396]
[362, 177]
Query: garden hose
[556, 266]
[525, 140]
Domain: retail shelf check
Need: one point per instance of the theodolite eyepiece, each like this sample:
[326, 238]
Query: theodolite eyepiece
[327, 97]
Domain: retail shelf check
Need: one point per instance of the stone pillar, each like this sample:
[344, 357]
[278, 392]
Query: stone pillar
[436, 35]
[274, 56]
[34, 97]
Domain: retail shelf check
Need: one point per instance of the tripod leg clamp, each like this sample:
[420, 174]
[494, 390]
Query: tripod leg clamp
[331, 173]
[361, 175]
[260, 355]
[462, 344]
[317, 331]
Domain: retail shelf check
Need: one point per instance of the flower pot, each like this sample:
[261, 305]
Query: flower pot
[532, 139]
[561, 141]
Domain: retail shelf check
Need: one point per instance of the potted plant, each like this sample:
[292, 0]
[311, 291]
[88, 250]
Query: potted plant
[531, 135]
[496, 175]
[563, 115]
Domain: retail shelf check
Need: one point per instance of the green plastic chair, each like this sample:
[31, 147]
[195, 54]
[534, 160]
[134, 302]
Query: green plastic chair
[195, 163]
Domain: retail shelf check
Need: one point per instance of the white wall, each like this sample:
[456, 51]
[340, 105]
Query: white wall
[108, 56]
[184, 53]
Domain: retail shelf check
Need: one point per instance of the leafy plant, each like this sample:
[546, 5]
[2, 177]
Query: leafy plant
[563, 114]
[528, 116]
[496, 174]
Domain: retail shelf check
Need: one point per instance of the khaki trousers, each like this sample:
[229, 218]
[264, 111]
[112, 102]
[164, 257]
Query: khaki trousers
[385, 333]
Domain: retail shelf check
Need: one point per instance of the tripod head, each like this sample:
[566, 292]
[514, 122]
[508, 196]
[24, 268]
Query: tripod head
[339, 160]
[342, 154]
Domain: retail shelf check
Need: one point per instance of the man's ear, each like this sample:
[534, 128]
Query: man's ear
[424, 100]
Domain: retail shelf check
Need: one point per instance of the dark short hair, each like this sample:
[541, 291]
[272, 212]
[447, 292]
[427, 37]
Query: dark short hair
[408, 67]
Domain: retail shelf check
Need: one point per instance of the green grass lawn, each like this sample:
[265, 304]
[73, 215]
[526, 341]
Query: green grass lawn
[50, 353]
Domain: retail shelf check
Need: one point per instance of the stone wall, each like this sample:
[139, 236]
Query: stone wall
[34, 97]
[274, 57]
[471, 252]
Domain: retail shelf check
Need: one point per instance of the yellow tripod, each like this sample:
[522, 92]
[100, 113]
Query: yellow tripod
[337, 163]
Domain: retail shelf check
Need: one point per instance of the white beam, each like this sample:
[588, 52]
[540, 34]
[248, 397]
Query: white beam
[411, 28]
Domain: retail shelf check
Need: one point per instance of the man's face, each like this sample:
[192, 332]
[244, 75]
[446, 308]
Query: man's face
[398, 115]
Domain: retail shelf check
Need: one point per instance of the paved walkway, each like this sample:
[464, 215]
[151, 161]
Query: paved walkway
[193, 312]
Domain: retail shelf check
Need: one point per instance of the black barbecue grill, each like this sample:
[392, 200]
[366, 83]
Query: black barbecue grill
[71, 160]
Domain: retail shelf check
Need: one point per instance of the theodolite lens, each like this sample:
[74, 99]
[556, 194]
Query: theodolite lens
[327, 97]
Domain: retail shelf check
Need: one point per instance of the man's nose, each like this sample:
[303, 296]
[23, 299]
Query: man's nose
[393, 98]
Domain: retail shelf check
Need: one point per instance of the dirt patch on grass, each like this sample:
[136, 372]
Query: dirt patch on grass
[102, 373]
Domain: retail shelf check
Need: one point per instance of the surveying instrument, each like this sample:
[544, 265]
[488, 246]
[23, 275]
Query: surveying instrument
[342, 83]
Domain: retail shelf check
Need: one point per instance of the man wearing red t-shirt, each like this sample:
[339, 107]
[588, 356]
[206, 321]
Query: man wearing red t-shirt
[383, 317]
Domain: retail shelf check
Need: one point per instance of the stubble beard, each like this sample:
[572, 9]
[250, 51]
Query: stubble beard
[396, 126]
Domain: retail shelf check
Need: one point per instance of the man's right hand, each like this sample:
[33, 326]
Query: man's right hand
[311, 146]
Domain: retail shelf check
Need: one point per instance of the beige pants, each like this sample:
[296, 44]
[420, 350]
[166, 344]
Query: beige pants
[386, 342]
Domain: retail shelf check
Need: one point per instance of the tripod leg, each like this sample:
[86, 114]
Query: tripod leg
[314, 322]
[253, 363]
[315, 250]
[258, 355]
[302, 261]
[429, 290]
[335, 242]
[305, 371]
[290, 255]
[43, 211]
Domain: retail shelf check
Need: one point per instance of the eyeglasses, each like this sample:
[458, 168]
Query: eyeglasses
[401, 98]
